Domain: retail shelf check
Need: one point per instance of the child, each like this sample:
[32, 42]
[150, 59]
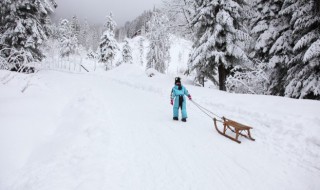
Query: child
[178, 100]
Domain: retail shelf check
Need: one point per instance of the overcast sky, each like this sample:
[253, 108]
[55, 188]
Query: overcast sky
[96, 10]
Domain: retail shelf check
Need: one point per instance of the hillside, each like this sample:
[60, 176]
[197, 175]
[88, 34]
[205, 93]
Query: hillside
[114, 130]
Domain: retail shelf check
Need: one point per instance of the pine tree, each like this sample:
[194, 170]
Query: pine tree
[136, 26]
[303, 77]
[158, 56]
[67, 39]
[23, 27]
[127, 52]
[95, 33]
[219, 39]
[110, 25]
[108, 45]
[266, 25]
[141, 50]
[75, 27]
[273, 42]
[84, 35]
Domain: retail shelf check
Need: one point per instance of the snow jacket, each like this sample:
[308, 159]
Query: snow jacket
[176, 92]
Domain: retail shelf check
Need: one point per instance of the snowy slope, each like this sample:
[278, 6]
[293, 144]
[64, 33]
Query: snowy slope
[114, 130]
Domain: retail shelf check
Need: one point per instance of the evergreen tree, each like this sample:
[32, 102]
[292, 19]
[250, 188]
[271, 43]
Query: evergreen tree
[127, 52]
[266, 26]
[141, 50]
[95, 33]
[219, 38]
[273, 42]
[75, 27]
[303, 77]
[67, 39]
[23, 27]
[108, 45]
[158, 56]
[84, 35]
[136, 27]
[110, 25]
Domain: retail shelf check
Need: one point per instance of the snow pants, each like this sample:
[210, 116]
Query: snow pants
[180, 102]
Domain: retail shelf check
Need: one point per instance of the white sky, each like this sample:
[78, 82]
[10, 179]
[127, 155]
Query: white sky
[96, 10]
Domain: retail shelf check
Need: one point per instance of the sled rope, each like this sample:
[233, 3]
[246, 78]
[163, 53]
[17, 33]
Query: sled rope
[206, 111]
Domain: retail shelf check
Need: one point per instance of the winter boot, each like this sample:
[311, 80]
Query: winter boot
[184, 119]
[175, 118]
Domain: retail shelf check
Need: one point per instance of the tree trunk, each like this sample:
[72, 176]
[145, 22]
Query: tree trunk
[222, 77]
[201, 80]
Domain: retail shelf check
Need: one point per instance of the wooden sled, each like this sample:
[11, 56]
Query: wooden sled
[235, 127]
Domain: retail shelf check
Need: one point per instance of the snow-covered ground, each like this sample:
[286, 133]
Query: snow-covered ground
[114, 130]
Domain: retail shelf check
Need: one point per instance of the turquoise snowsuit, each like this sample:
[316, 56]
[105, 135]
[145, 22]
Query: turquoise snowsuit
[177, 95]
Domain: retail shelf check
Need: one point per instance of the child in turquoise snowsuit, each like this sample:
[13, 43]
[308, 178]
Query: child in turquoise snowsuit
[178, 100]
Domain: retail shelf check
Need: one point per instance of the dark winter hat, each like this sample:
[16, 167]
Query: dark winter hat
[177, 80]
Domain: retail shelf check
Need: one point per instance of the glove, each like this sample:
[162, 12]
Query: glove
[189, 96]
[171, 102]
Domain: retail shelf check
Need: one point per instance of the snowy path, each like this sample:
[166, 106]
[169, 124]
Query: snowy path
[118, 134]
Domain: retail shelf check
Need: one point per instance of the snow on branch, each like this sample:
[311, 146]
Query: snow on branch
[248, 81]
[306, 40]
[312, 52]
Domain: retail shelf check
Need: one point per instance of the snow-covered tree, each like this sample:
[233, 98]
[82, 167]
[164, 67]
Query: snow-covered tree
[110, 25]
[127, 52]
[254, 80]
[55, 31]
[141, 50]
[23, 27]
[67, 39]
[158, 56]
[92, 55]
[95, 33]
[303, 76]
[75, 27]
[136, 27]
[84, 35]
[272, 40]
[180, 13]
[219, 38]
[266, 26]
[108, 45]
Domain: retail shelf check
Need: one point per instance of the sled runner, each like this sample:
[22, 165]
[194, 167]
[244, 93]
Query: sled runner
[235, 127]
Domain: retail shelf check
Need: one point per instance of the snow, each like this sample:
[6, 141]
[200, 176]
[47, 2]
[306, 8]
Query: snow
[114, 130]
